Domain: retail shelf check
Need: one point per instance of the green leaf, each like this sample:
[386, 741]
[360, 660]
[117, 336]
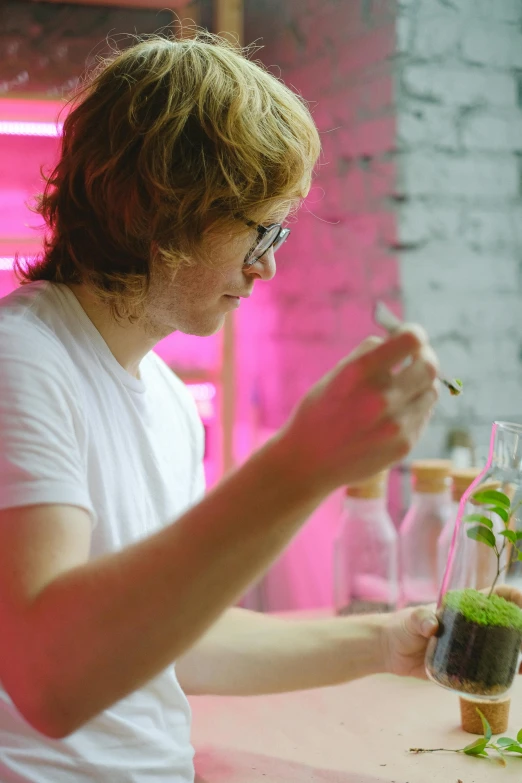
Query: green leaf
[519, 556]
[479, 518]
[510, 535]
[482, 534]
[501, 512]
[476, 748]
[513, 748]
[505, 741]
[492, 496]
[485, 725]
[519, 736]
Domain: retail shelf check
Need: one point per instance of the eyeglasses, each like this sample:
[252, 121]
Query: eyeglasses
[271, 236]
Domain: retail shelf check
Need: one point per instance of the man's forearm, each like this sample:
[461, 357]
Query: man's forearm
[246, 654]
[101, 630]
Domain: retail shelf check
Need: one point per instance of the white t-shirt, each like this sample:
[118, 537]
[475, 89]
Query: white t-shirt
[77, 429]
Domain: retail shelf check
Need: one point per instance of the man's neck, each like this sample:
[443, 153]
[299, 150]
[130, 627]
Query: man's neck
[128, 342]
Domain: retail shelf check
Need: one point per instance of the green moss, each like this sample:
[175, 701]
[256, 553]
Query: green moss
[478, 608]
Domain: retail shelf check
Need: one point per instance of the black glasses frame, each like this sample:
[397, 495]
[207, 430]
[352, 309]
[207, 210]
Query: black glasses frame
[282, 235]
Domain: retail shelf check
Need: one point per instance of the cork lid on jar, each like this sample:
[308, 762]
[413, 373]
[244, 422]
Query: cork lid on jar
[431, 476]
[375, 487]
[462, 478]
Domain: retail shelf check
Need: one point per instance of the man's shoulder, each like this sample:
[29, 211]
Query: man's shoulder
[27, 340]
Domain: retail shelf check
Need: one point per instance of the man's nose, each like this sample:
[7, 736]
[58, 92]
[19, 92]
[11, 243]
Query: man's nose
[264, 268]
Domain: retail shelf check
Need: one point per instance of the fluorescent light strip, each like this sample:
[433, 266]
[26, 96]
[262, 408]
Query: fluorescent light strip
[202, 392]
[6, 263]
[20, 128]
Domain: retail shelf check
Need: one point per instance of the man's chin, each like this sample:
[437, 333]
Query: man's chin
[204, 329]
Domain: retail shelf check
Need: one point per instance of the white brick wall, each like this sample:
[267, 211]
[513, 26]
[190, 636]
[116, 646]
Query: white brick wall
[498, 45]
[459, 133]
[476, 177]
[459, 85]
[493, 131]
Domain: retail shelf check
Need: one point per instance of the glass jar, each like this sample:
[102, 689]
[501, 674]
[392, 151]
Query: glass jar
[476, 650]
[461, 480]
[429, 512]
[366, 551]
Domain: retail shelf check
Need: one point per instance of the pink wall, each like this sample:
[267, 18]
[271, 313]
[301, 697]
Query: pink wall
[340, 257]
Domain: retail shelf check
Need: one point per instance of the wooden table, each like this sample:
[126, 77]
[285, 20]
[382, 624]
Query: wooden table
[355, 733]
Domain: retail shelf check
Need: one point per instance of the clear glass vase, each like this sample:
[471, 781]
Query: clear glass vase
[462, 480]
[476, 651]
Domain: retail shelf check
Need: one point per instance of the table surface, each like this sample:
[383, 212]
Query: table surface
[355, 733]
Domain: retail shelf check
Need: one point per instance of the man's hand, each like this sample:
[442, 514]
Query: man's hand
[405, 637]
[366, 414]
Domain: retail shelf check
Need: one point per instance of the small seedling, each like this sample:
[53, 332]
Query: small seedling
[483, 746]
[482, 531]
[455, 387]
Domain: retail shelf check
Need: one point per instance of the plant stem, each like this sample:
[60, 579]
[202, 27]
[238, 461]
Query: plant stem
[434, 750]
[499, 570]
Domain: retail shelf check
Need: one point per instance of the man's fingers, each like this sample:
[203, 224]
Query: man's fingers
[424, 621]
[410, 382]
[385, 357]
[367, 345]
[510, 593]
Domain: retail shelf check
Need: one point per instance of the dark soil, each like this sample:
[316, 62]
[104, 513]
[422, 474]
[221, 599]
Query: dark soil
[473, 658]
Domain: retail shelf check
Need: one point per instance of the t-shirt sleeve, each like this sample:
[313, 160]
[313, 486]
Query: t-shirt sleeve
[42, 432]
[199, 486]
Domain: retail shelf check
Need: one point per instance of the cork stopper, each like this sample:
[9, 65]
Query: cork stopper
[495, 712]
[462, 479]
[375, 487]
[431, 476]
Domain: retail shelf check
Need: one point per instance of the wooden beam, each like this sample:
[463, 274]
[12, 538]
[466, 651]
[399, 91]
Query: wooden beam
[228, 20]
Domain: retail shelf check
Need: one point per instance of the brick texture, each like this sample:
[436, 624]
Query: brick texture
[458, 169]
[340, 57]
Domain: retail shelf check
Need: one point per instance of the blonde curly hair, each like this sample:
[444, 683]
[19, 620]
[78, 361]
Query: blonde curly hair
[164, 141]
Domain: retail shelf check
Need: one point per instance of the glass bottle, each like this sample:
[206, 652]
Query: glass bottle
[366, 551]
[476, 650]
[428, 514]
[461, 479]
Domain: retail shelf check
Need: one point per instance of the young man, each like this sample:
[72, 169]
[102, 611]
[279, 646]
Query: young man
[179, 163]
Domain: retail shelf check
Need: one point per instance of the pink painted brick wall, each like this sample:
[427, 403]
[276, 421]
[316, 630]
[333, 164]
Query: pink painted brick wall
[338, 54]
[339, 57]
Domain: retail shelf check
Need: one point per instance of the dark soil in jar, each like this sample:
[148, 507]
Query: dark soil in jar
[471, 657]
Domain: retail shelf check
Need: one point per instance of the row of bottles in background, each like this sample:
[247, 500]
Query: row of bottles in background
[366, 551]
[429, 513]
[376, 567]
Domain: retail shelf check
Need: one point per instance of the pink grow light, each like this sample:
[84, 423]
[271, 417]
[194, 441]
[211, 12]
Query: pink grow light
[22, 128]
[6, 263]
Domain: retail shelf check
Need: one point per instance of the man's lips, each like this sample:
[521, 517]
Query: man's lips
[239, 296]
